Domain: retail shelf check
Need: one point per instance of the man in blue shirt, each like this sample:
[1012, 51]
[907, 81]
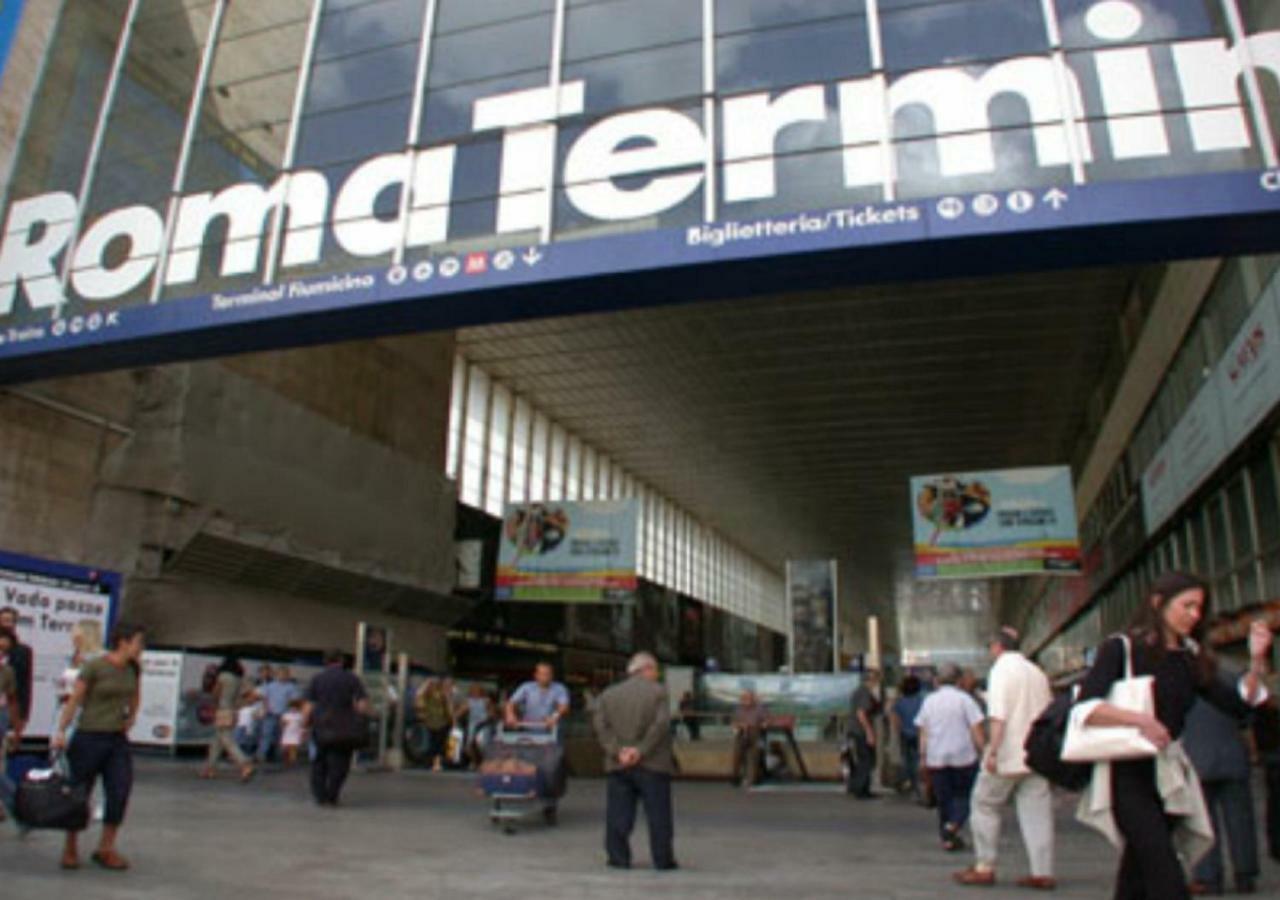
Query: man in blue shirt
[543, 701]
[276, 696]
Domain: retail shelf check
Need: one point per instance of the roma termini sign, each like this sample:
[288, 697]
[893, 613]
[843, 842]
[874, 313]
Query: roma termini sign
[128, 281]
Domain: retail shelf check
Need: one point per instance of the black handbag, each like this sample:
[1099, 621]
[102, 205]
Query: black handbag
[52, 803]
[1044, 748]
[341, 729]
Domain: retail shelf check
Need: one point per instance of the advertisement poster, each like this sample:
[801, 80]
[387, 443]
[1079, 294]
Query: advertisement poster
[995, 524]
[817, 701]
[161, 690]
[569, 552]
[193, 721]
[51, 598]
[811, 602]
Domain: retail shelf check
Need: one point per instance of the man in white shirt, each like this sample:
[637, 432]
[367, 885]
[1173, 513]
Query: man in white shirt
[951, 738]
[1018, 693]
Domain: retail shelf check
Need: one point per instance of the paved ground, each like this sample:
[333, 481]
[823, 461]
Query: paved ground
[424, 836]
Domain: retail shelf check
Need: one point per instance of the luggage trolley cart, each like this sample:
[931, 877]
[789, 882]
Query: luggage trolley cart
[523, 775]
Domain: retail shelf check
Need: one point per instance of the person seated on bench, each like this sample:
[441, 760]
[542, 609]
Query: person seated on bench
[749, 721]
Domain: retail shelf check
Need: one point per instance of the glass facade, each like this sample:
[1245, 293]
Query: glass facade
[1228, 532]
[504, 122]
[499, 434]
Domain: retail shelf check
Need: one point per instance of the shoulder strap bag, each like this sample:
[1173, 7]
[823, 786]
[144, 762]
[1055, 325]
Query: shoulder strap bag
[1112, 743]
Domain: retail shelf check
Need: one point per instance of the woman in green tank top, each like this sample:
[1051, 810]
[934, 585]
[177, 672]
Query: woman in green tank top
[106, 697]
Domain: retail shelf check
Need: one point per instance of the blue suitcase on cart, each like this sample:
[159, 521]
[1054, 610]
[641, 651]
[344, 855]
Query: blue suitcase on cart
[523, 774]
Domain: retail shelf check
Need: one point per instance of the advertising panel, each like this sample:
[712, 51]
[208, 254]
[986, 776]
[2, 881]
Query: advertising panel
[583, 552]
[161, 691]
[195, 707]
[972, 144]
[817, 701]
[812, 608]
[51, 598]
[995, 524]
[1242, 390]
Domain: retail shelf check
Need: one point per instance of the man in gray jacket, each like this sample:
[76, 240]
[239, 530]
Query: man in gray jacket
[1215, 743]
[633, 723]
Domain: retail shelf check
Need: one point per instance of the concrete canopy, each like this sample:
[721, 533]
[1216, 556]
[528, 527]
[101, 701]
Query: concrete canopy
[792, 423]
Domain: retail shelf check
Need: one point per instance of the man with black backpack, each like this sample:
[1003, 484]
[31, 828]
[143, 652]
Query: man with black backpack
[1018, 692]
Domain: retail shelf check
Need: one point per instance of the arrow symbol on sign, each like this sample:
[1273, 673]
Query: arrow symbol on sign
[532, 256]
[1057, 198]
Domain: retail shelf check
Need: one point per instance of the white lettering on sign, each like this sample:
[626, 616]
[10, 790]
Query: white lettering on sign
[643, 163]
[667, 140]
[247, 208]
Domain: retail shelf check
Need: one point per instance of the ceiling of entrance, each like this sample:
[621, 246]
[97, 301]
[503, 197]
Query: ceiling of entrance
[792, 423]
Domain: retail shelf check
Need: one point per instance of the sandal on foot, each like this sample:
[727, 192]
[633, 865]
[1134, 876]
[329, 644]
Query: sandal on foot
[111, 861]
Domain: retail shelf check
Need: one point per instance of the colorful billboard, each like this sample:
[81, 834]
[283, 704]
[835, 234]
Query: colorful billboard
[995, 524]
[584, 552]
[812, 607]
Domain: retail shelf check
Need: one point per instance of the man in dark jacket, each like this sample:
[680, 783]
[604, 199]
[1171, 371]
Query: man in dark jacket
[633, 723]
[21, 661]
[1215, 744]
[335, 706]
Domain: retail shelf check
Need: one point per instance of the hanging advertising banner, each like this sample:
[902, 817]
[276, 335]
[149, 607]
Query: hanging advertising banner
[1241, 392]
[581, 552]
[51, 598]
[995, 524]
[812, 609]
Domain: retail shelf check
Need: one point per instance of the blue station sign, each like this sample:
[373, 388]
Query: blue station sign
[1128, 151]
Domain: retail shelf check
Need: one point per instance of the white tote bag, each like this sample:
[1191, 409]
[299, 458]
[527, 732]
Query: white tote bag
[1112, 743]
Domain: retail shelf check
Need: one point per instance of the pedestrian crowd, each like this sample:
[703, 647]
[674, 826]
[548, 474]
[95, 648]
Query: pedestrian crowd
[1166, 776]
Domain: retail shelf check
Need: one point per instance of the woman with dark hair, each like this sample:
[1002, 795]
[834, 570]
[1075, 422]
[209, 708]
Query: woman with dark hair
[1165, 639]
[106, 698]
[226, 694]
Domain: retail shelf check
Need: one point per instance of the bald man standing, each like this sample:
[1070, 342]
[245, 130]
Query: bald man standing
[633, 723]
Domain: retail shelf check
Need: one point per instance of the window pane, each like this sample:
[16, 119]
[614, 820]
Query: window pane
[477, 55]
[538, 474]
[573, 469]
[522, 428]
[456, 402]
[555, 477]
[589, 474]
[362, 82]
[1266, 501]
[1241, 526]
[1200, 538]
[805, 53]
[499, 435]
[146, 124]
[1219, 547]
[918, 36]
[475, 441]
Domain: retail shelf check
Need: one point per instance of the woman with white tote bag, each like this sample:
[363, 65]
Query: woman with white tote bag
[1133, 703]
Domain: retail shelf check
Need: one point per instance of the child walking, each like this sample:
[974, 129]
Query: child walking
[292, 723]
